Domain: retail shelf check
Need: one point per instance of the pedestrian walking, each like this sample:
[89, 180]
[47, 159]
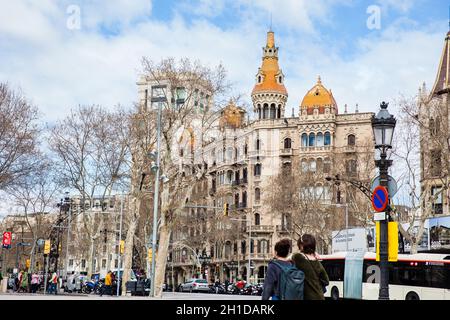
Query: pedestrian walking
[283, 280]
[108, 283]
[316, 278]
[34, 282]
[53, 284]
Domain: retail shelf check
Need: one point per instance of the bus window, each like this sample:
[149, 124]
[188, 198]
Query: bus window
[440, 277]
[334, 269]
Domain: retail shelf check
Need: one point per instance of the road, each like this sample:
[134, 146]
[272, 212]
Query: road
[165, 296]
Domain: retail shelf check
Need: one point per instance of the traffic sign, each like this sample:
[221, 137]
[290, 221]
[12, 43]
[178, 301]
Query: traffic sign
[379, 216]
[380, 198]
[40, 242]
[392, 185]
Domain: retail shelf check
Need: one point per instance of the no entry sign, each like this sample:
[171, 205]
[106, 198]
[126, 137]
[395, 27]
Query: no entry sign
[380, 198]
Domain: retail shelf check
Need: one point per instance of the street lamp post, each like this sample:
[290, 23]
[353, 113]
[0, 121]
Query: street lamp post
[383, 125]
[155, 201]
[120, 247]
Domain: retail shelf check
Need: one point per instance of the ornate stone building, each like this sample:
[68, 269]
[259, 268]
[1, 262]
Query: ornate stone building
[434, 137]
[242, 160]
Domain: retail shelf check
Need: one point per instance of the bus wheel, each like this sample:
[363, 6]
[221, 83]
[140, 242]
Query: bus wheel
[412, 296]
[334, 293]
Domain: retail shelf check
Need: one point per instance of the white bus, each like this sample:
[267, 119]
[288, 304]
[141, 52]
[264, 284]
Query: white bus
[422, 276]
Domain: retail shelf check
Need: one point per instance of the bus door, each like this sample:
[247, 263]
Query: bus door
[353, 275]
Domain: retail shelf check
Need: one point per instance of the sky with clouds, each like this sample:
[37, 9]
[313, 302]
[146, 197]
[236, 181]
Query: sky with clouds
[64, 53]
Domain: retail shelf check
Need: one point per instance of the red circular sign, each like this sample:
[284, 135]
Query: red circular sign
[380, 198]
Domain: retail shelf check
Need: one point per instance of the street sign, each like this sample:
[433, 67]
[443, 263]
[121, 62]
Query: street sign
[6, 243]
[40, 242]
[379, 216]
[392, 185]
[380, 198]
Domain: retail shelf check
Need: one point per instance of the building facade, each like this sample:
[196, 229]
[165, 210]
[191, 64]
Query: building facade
[243, 158]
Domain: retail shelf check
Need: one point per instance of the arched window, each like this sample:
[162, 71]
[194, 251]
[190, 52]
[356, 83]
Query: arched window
[351, 139]
[257, 194]
[312, 165]
[244, 199]
[243, 247]
[258, 168]
[320, 139]
[280, 79]
[326, 165]
[259, 79]
[279, 111]
[304, 165]
[312, 140]
[252, 246]
[257, 219]
[272, 111]
[264, 246]
[245, 149]
[227, 249]
[319, 165]
[266, 111]
[258, 144]
[327, 139]
[304, 140]
[287, 143]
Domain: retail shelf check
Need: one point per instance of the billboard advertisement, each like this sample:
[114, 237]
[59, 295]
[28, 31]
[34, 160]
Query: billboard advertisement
[356, 241]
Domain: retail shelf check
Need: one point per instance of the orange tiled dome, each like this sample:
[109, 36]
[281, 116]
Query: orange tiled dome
[318, 96]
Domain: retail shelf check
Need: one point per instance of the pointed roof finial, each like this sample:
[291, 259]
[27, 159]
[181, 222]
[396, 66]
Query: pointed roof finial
[345, 108]
[319, 80]
[356, 109]
[270, 28]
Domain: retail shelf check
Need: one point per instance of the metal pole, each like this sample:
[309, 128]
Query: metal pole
[249, 248]
[46, 274]
[68, 241]
[155, 202]
[346, 227]
[383, 165]
[120, 253]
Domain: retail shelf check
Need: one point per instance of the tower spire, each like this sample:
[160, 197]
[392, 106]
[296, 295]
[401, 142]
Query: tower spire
[441, 84]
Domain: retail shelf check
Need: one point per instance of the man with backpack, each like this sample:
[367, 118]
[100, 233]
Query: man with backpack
[283, 280]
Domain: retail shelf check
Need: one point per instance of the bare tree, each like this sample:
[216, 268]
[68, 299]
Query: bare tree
[421, 151]
[92, 148]
[196, 120]
[18, 136]
[34, 197]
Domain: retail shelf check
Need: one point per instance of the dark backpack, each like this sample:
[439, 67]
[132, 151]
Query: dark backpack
[291, 282]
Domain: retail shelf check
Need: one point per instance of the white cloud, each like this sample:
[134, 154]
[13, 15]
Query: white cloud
[59, 69]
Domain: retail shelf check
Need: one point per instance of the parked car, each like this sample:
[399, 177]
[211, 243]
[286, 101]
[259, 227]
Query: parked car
[195, 285]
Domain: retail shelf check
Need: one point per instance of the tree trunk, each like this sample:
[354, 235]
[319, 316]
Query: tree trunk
[90, 257]
[414, 246]
[161, 258]
[128, 251]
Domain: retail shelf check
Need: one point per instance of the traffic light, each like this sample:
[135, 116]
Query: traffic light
[122, 246]
[225, 209]
[150, 255]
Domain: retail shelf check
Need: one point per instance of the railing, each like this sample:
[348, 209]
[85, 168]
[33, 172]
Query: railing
[286, 152]
[242, 205]
[212, 191]
[261, 256]
[350, 149]
[235, 182]
[260, 228]
[309, 149]
[257, 153]
[283, 229]
[243, 181]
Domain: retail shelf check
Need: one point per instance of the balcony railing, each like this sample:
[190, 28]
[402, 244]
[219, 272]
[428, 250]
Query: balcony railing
[261, 256]
[242, 205]
[286, 152]
[309, 149]
[260, 228]
[350, 149]
[283, 229]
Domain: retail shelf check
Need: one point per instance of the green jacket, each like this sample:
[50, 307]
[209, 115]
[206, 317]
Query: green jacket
[313, 270]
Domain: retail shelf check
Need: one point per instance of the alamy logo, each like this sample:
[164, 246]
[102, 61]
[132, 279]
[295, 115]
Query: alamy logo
[74, 19]
[374, 19]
